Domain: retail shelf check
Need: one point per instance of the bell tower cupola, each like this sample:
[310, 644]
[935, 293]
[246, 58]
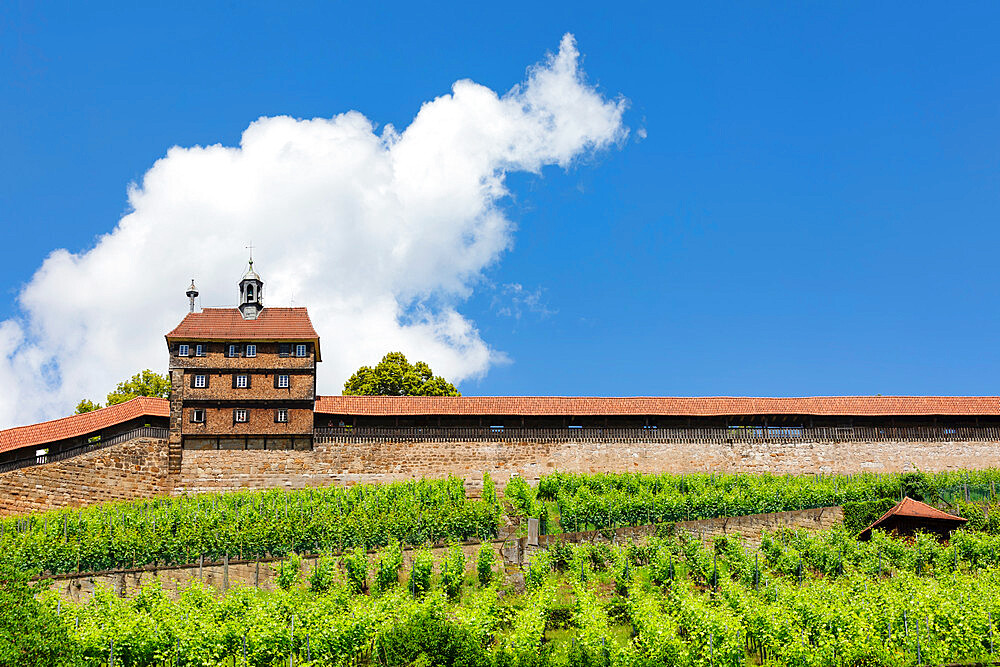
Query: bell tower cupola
[251, 294]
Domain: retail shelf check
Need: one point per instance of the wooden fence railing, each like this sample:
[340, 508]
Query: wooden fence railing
[750, 434]
[86, 447]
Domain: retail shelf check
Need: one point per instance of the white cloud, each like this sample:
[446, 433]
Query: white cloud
[381, 235]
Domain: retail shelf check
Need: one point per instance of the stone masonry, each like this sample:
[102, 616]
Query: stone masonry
[513, 553]
[139, 468]
[133, 469]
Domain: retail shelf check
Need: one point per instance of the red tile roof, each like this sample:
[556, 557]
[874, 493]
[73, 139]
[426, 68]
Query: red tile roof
[709, 406]
[227, 324]
[908, 507]
[89, 422]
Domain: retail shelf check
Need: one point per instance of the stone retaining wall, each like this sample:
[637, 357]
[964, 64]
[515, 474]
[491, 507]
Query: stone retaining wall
[351, 463]
[513, 553]
[139, 468]
[261, 573]
[133, 469]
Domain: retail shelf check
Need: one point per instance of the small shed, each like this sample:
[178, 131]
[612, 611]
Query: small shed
[910, 516]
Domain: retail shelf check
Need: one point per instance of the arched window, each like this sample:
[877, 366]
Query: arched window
[249, 292]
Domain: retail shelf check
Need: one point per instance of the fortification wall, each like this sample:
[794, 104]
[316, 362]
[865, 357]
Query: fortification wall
[139, 468]
[133, 469]
[350, 463]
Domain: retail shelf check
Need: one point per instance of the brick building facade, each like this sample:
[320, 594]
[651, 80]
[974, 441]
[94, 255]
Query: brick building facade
[242, 378]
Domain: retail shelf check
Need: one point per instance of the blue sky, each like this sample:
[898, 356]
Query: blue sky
[806, 202]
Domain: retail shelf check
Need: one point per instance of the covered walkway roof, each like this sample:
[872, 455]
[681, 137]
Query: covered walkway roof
[705, 406]
[79, 425]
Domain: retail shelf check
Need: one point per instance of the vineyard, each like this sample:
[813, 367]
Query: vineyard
[253, 524]
[803, 599]
[583, 502]
[259, 524]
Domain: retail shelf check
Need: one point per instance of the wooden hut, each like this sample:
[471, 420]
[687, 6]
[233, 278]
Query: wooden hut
[910, 516]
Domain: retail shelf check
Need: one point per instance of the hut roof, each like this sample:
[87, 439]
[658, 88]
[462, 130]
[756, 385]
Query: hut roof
[914, 509]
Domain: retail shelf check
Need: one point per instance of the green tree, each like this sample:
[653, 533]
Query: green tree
[395, 376]
[146, 383]
[87, 405]
[30, 632]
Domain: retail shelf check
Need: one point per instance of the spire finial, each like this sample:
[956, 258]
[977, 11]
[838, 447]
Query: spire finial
[250, 247]
[192, 293]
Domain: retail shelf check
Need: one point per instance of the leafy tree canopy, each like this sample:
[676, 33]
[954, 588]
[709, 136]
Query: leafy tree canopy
[146, 383]
[395, 376]
[86, 405]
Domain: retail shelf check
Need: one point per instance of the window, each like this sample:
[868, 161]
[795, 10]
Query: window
[197, 416]
[251, 350]
[241, 416]
[281, 416]
[183, 350]
[199, 350]
[300, 350]
[242, 381]
[232, 350]
[284, 349]
[282, 382]
[249, 292]
[200, 381]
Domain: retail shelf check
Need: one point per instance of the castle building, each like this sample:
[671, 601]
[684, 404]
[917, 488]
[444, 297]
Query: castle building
[243, 388]
[243, 377]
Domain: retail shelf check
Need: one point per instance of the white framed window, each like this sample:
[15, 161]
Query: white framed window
[300, 350]
[242, 381]
[232, 350]
[199, 350]
[241, 415]
[251, 350]
[200, 381]
[183, 350]
[282, 382]
[197, 416]
[281, 415]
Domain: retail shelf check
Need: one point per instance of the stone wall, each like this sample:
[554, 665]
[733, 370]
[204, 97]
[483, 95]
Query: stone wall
[139, 470]
[133, 469]
[222, 576]
[512, 553]
[350, 463]
[747, 528]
